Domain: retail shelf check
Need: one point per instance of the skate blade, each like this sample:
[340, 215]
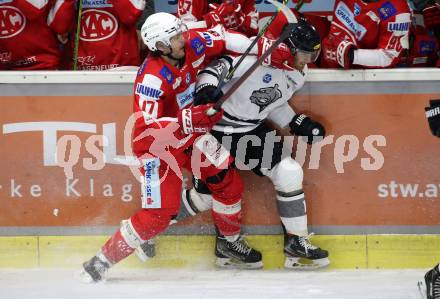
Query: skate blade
[297, 263]
[230, 263]
[422, 289]
[141, 255]
[86, 278]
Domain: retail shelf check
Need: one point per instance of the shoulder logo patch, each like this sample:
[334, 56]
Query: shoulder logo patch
[267, 78]
[167, 74]
[198, 46]
[387, 10]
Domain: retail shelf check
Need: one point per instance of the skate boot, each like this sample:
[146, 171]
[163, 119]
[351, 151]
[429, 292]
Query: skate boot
[237, 254]
[146, 250]
[301, 254]
[431, 289]
[94, 270]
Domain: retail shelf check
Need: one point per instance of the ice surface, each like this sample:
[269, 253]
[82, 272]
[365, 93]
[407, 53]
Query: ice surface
[224, 284]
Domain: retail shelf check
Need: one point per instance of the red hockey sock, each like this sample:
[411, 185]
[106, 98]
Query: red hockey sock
[116, 248]
[228, 225]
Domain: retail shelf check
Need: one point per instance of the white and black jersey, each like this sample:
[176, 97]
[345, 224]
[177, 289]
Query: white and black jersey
[263, 95]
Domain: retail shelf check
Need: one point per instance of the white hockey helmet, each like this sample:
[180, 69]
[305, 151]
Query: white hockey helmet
[161, 27]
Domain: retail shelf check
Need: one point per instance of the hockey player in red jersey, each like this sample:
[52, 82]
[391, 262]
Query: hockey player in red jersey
[366, 34]
[240, 15]
[28, 35]
[423, 47]
[107, 37]
[165, 134]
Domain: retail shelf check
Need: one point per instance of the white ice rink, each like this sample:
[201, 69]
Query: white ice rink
[224, 284]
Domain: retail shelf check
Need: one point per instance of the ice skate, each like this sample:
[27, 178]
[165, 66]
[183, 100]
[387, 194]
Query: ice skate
[302, 255]
[94, 270]
[430, 288]
[237, 254]
[146, 250]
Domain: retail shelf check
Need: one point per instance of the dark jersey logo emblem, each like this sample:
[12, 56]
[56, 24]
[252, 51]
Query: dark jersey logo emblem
[265, 96]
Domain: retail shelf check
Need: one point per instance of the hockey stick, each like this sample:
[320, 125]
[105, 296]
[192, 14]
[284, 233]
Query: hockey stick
[232, 70]
[76, 44]
[292, 20]
[246, 53]
[219, 103]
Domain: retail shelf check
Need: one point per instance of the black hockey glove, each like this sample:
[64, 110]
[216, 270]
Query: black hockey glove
[434, 103]
[205, 95]
[433, 115]
[302, 125]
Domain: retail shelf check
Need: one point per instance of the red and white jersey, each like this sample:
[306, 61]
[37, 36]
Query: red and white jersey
[162, 90]
[191, 12]
[108, 37]
[28, 30]
[379, 29]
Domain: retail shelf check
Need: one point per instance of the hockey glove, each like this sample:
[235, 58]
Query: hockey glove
[434, 103]
[229, 15]
[345, 54]
[302, 125]
[205, 95]
[338, 52]
[196, 120]
[280, 58]
[433, 115]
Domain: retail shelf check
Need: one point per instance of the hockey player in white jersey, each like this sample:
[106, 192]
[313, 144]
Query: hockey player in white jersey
[265, 95]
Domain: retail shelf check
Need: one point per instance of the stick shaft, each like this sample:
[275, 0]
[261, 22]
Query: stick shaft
[246, 53]
[253, 67]
[249, 72]
[76, 44]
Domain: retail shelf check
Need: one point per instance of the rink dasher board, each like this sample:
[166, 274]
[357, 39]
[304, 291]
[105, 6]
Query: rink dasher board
[189, 251]
[346, 251]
